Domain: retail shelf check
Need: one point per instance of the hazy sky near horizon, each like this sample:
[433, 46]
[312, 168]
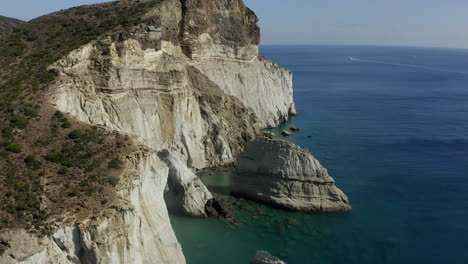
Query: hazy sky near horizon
[439, 23]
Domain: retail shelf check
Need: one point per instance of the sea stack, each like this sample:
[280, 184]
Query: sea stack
[285, 175]
[185, 194]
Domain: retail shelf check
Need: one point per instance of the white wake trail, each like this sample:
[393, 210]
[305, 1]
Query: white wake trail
[409, 66]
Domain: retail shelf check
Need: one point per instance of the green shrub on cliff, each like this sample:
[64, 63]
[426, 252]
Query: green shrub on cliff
[115, 164]
[75, 134]
[113, 180]
[32, 162]
[13, 147]
[19, 121]
[55, 157]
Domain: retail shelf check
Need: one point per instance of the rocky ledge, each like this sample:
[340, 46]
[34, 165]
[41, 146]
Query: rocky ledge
[285, 175]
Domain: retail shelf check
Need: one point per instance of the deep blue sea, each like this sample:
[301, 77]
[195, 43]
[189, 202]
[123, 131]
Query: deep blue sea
[391, 126]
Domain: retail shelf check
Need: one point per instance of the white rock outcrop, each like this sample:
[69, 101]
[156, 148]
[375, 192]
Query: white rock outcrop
[185, 193]
[280, 173]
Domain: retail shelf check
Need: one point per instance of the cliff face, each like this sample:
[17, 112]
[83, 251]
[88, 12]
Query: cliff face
[136, 230]
[177, 82]
[190, 83]
[221, 38]
[218, 29]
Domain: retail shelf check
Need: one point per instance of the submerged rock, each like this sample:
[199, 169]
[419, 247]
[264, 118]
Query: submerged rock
[295, 129]
[185, 193]
[218, 207]
[285, 175]
[263, 257]
[268, 134]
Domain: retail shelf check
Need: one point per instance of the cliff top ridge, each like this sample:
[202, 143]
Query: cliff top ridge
[8, 23]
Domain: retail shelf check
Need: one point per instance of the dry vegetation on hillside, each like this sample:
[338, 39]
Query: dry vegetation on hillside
[7, 23]
[50, 163]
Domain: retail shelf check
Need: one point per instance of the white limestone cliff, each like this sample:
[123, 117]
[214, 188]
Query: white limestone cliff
[236, 78]
[155, 91]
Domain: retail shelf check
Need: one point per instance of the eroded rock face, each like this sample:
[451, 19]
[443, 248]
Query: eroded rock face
[219, 29]
[185, 193]
[272, 98]
[285, 175]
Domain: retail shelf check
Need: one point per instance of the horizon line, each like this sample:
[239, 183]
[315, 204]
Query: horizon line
[365, 45]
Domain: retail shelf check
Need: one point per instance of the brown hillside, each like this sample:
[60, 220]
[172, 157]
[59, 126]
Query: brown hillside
[7, 23]
[50, 163]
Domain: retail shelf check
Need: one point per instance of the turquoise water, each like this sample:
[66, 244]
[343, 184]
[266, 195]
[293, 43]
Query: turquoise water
[392, 128]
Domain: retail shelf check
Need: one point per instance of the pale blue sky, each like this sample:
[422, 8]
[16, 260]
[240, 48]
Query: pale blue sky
[440, 23]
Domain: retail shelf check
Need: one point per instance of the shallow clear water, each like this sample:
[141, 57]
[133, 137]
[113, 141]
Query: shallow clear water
[392, 129]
